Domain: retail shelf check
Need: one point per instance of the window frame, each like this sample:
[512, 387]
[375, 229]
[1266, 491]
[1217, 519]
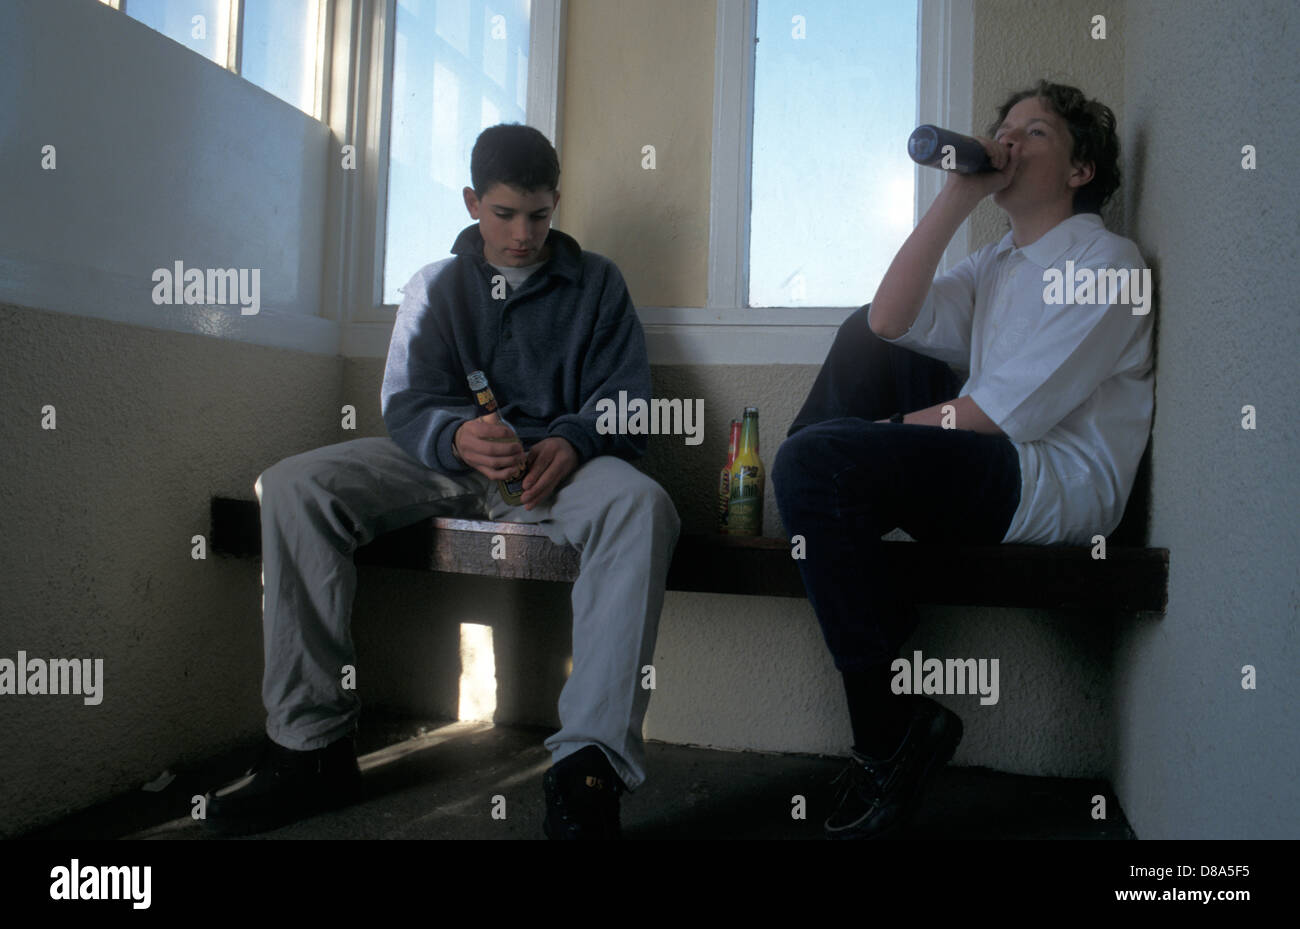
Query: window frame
[361, 281]
[726, 331]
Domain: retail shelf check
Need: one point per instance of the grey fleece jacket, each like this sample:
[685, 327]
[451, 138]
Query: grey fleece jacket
[568, 337]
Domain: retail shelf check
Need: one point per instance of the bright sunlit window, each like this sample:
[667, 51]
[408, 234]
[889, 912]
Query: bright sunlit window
[272, 43]
[200, 25]
[835, 93]
[279, 51]
[459, 66]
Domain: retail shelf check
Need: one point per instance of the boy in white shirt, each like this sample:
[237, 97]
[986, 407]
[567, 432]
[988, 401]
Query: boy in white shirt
[1041, 443]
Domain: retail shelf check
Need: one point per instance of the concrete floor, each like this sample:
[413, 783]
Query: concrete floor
[431, 780]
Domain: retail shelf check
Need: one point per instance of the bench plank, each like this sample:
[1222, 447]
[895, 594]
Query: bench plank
[1029, 576]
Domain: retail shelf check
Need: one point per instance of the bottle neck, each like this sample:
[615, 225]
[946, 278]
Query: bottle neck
[485, 400]
[749, 435]
[733, 444]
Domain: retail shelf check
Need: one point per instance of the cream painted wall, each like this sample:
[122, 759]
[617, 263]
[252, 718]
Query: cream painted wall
[1019, 41]
[639, 74]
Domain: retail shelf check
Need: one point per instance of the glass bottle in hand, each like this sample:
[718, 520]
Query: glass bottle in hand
[512, 488]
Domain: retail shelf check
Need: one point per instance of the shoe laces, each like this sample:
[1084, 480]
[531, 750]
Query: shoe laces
[862, 777]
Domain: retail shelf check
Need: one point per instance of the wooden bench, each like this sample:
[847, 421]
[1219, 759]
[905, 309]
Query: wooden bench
[1035, 576]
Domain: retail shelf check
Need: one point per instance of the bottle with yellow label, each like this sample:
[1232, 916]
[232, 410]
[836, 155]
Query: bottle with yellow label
[512, 488]
[745, 490]
[724, 480]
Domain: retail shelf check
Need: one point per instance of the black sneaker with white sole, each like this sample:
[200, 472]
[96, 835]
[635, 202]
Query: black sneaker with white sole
[876, 797]
[285, 786]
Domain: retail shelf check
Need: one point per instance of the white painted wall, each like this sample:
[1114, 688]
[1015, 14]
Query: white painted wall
[1197, 755]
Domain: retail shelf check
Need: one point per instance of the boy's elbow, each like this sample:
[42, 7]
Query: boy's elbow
[877, 329]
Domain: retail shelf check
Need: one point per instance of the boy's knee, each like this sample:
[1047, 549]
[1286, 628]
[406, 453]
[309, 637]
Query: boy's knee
[797, 459]
[857, 326]
[269, 483]
[282, 480]
[649, 497]
[639, 493]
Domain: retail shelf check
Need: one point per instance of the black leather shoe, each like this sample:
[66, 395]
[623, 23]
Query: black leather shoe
[876, 797]
[285, 786]
[582, 794]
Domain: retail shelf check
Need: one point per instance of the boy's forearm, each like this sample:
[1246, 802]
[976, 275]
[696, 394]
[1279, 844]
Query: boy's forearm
[966, 415]
[904, 287]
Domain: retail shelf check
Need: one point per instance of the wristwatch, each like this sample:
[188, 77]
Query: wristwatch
[896, 418]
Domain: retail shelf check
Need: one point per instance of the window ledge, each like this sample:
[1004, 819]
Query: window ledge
[741, 336]
[94, 293]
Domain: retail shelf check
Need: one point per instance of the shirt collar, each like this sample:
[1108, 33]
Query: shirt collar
[1049, 248]
[566, 253]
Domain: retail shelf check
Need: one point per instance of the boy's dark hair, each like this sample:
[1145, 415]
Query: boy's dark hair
[1092, 126]
[515, 155]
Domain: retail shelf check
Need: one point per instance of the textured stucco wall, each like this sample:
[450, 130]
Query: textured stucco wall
[96, 551]
[1198, 756]
[1019, 41]
[639, 74]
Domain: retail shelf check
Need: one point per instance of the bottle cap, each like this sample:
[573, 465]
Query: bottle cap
[477, 380]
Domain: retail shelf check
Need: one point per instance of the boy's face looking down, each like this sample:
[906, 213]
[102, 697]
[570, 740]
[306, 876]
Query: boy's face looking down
[1046, 176]
[513, 223]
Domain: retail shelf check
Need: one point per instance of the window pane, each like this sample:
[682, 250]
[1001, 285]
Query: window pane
[279, 53]
[459, 66]
[832, 186]
[203, 25]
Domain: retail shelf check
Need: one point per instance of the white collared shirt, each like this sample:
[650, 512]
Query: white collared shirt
[1071, 385]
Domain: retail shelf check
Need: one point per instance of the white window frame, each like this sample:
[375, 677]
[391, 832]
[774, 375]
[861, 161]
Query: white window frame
[726, 331]
[355, 250]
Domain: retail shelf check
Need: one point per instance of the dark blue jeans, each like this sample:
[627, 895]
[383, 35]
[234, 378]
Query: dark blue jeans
[842, 481]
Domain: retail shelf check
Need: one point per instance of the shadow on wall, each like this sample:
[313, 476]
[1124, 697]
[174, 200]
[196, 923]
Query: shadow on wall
[684, 471]
[1135, 528]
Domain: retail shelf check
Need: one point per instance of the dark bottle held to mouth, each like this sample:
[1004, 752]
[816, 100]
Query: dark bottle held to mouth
[926, 147]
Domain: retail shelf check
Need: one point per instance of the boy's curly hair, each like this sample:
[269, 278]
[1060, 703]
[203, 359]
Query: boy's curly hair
[1092, 126]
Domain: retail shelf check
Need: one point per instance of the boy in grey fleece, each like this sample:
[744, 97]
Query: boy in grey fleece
[566, 337]
[555, 331]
